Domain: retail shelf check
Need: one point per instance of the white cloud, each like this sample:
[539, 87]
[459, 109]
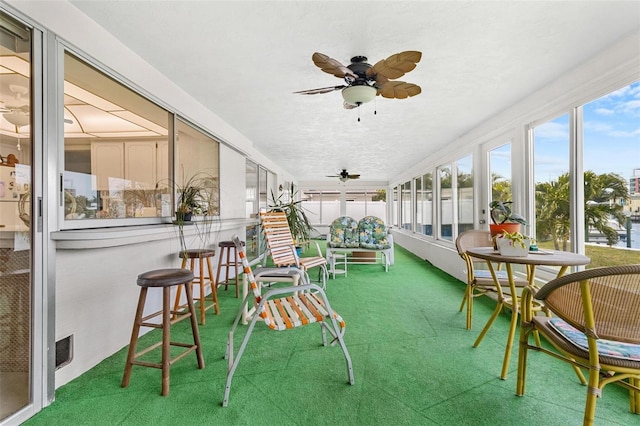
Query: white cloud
[625, 134]
[597, 126]
[604, 111]
[551, 130]
[630, 106]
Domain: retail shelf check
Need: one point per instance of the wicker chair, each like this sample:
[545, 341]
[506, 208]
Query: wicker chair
[280, 309]
[479, 281]
[596, 327]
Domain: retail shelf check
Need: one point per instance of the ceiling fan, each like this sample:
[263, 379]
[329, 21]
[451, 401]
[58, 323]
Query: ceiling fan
[364, 82]
[345, 176]
[18, 114]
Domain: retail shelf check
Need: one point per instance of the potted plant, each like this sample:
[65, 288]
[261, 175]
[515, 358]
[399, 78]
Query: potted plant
[195, 196]
[513, 244]
[504, 219]
[299, 223]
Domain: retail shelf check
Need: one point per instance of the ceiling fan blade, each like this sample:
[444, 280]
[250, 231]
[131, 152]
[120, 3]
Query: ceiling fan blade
[320, 90]
[331, 66]
[354, 176]
[395, 66]
[347, 105]
[399, 90]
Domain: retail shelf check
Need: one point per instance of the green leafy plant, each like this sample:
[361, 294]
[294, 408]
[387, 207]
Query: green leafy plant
[500, 212]
[197, 195]
[517, 238]
[299, 223]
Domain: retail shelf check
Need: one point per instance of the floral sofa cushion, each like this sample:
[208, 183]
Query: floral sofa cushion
[373, 233]
[344, 233]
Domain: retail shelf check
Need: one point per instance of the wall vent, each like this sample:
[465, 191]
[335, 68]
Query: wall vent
[64, 351]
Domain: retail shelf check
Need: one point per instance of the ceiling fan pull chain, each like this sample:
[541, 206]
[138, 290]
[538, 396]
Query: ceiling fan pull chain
[358, 113]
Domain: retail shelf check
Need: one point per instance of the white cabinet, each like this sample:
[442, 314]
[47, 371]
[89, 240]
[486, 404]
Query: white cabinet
[107, 161]
[141, 164]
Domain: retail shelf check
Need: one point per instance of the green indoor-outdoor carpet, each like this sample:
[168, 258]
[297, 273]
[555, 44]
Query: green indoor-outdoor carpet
[412, 356]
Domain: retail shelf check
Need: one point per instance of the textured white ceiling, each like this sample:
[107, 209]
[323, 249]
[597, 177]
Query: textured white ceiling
[244, 59]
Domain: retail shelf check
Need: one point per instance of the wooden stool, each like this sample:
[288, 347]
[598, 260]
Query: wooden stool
[228, 248]
[202, 255]
[165, 279]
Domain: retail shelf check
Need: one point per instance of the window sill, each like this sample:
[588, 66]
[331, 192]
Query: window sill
[125, 235]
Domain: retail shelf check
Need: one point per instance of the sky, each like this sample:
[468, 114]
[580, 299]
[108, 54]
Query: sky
[611, 128]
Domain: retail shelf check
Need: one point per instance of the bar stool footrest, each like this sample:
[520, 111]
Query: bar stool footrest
[189, 348]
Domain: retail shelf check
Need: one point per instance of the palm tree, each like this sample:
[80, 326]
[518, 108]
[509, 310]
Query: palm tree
[552, 212]
[603, 196]
[500, 188]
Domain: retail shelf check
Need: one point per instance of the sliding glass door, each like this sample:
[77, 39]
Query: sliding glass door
[16, 218]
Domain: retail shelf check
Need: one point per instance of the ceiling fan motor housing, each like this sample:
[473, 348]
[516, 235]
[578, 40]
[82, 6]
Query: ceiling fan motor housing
[359, 67]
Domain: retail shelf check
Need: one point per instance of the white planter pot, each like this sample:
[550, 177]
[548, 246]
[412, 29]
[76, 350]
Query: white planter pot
[506, 247]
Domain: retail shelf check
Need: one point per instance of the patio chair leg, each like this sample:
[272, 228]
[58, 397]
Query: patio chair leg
[236, 359]
[486, 328]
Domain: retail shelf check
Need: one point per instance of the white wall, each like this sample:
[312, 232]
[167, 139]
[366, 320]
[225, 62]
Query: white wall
[96, 294]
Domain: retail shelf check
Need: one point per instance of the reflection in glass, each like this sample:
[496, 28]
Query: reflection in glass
[115, 148]
[16, 157]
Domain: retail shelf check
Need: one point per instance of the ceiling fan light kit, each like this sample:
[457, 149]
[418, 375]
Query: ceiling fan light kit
[16, 118]
[358, 95]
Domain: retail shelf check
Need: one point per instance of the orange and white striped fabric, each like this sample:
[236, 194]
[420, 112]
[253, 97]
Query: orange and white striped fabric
[283, 308]
[290, 311]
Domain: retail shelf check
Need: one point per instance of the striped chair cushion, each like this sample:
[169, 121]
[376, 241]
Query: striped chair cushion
[608, 348]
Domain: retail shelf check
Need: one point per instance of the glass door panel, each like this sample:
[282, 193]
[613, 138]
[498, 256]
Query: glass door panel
[16, 151]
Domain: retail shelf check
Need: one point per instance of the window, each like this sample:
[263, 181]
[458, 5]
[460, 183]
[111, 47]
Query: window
[116, 149]
[500, 173]
[361, 203]
[424, 199]
[446, 203]
[405, 206]
[321, 206]
[551, 176]
[251, 190]
[197, 157]
[611, 153]
[394, 207]
[262, 185]
[464, 168]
